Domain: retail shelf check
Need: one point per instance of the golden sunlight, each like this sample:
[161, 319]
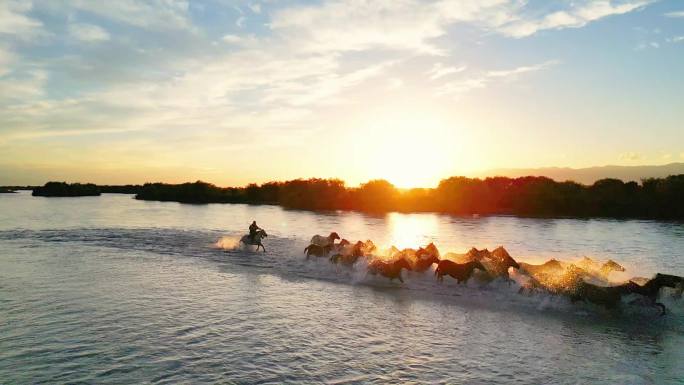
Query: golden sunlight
[411, 230]
[409, 149]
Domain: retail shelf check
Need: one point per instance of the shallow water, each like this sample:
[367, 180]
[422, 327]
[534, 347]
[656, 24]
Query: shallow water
[112, 290]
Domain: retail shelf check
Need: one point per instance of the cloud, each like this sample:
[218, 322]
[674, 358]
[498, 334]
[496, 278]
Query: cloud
[7, 58]
[439, 70]
[256, 7]
[240, 22]
[173, 83]
[631, 155]
[358, 25]
[88, 32]
[27, 85]
[483, 79]
[151, 14]
[579, 15]
[675, 14]
[240, 40]
[14, 21]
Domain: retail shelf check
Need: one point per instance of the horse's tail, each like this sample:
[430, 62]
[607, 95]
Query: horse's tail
[306, 249]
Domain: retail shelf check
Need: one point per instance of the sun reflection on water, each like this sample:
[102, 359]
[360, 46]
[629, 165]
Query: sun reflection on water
[411, 230]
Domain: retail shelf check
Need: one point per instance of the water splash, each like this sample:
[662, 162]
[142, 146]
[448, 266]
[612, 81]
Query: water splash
[228, 243]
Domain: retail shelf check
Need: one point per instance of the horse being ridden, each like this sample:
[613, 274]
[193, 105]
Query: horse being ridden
[256, 234]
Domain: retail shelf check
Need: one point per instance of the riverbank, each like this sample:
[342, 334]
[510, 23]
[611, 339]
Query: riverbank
[656, 198]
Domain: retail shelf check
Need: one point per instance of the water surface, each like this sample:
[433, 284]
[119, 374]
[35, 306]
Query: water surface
[112, 290]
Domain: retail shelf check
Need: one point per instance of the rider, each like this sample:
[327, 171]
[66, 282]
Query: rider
[253, 230]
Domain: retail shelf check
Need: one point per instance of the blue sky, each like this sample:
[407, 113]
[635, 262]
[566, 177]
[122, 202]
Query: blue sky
[412, 91]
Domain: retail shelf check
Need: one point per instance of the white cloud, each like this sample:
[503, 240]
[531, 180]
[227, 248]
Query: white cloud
[256, 7]
[306, 62]
[483, 79]
[28, 85]
[14, 21]
[439, 70]
[631, 155]
[357, 25]
[7, 58]
[575, 17]
[240, 40]
[675, 14]
[88, 32]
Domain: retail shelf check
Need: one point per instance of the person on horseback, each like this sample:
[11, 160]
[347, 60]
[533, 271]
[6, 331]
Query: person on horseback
[253, 228]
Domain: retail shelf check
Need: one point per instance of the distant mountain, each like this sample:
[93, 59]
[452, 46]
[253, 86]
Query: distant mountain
[591, 174]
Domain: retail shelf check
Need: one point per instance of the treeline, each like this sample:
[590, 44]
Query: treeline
[63, 189]
[658, 198]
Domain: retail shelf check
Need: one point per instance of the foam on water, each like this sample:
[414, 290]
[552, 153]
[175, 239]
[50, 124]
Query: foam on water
[286, 259]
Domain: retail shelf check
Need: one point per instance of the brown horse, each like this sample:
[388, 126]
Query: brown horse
[348, 256]
[316, 250]
[424, 258]
[424, 263]
[609, 267]
[368, 247]
[552, 266]
[427, 251]
[390, 270]
[460, 271]
[501, 261]
[476, 255]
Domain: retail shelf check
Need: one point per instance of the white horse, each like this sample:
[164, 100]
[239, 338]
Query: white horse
[260, 234]
[325, 241]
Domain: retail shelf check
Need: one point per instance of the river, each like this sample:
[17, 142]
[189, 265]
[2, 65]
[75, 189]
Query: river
[113, 290]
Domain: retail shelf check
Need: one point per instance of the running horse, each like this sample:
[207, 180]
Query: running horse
[256, 241]
[460, 271]
[424, 258]
[324, 241]
[390, 270]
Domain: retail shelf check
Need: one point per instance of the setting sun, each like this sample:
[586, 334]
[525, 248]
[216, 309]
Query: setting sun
[408, 149]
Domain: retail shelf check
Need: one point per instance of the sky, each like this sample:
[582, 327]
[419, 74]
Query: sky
[412, 91]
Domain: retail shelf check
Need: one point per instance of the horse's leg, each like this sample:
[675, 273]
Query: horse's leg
[400, 279]
[262, 246]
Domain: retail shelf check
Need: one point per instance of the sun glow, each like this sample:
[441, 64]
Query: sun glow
[409, 149]
[411, 230]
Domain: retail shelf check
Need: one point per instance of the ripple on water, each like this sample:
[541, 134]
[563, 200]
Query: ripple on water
[163, 305]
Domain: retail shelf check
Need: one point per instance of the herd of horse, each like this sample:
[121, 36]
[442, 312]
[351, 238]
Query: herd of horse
[585, 280]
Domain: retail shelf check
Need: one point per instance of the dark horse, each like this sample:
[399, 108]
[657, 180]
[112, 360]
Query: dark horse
[460, 271]
[651, 289]
[610, 296]
[390, 270]
[316, 250]
[607, 296]
[322, 251]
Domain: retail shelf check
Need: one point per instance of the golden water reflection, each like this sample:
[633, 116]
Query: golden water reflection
[411, 230]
